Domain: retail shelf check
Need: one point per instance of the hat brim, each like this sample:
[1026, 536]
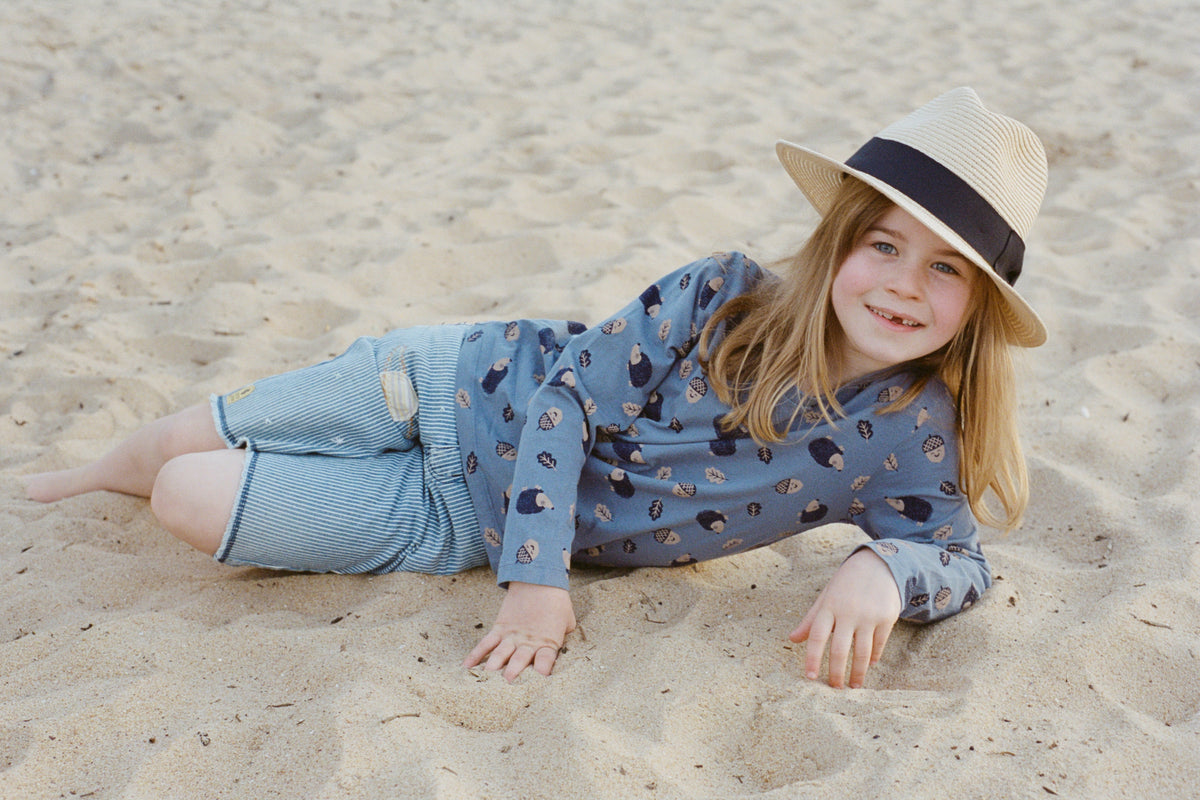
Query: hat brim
[819, 178]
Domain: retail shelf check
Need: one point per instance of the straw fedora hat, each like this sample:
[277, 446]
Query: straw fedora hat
[972, 176]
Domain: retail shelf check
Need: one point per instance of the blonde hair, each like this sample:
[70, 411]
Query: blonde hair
[780, 339]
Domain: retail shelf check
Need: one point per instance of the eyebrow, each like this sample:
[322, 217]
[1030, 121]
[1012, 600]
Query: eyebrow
[949, 251]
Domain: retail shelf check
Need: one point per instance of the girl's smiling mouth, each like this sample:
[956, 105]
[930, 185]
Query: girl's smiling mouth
[896, 319]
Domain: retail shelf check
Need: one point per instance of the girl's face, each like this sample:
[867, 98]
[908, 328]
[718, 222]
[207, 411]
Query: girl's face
[901, 294]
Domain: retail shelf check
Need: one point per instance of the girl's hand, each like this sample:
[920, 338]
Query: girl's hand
[858, 608]
[530, 629]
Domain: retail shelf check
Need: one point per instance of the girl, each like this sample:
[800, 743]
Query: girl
[723, 409]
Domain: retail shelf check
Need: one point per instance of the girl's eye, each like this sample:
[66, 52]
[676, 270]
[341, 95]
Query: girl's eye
[886, 248]
[942, 266]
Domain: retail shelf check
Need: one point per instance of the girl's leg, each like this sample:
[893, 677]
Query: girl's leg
[194, 494]
[132, 466]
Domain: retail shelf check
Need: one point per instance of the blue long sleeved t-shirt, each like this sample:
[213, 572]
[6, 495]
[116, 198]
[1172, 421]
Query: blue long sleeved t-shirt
[603, 445]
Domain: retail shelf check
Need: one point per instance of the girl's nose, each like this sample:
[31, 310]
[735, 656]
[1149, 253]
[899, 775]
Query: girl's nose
[905, 279]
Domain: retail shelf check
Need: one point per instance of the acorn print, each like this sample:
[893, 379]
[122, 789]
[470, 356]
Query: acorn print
[934, 448]
[463, 398]
[512, 331]
[753, 509]
[942, 598]
[533, 501]
[710, 291]
[909, 507]
[788, 486]
[593, 552]
[943, 533]
[969, 599]
[814, 512]
[684, 490]
[564, 377]
[859, 482]
[619, 482]
[629, 546]
[865, 429]
[506, 451]
[696, 389]
[472, 463]
[664, 330]
[666, 536]
[602, 513]
[686, 558]
[566, 557]
[550, 418]
[575, 328]
[922, 417]
[712, 521]
[948, 488]
[546, 340]
[651, 300]
[640, 369]
[492, 537]
[827, 453]
[506, 496]
[613, 326]
[888, 549]
[890, 394]
[527, 552]
[495, 374]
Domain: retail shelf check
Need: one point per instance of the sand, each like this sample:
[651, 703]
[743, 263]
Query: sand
[199, 193]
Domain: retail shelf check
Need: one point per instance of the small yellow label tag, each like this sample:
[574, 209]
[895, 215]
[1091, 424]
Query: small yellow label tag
[239, 394]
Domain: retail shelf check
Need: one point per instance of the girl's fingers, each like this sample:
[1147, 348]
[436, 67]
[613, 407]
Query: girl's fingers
[863, 658]
[501, 655]
[839, 651]
[485, 646]
[543, 662]
[818, 633]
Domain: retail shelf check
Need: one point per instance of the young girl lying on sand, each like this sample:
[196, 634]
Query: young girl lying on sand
[723, 409]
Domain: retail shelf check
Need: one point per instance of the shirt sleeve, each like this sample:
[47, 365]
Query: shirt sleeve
[921, 524]
[600, 383]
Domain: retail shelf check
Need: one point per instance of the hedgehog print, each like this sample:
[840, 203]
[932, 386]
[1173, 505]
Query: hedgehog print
[533, 501]
[619, 482]
[640, 368]
[915, 508]
[827, 453]
[651, 301]
[496, 373]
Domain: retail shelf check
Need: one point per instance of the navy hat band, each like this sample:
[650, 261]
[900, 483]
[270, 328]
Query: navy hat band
[947, 197]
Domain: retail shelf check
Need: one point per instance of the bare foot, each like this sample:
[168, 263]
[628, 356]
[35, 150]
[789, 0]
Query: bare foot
[47, 487]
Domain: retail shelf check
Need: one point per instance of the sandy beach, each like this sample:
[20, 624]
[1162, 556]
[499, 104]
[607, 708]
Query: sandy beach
[197, 194]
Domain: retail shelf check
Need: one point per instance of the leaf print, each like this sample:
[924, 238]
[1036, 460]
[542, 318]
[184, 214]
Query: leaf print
[602, 513]
[631, 409]
[890, 463]
[508, 413]
[547, 460]
[664, 330]
[859, 482]
[856, 507]
[732, 543]
[865, 429]
[585, 359]
[492, 537]
[629, 546]
[472, 463]
[765, 455]
[685, 281]
[685, 369]
[714, 475]
[947, 488]
[944, 558]
[675, 425]
[663, 474]
[943, 533]
[811, 416]
[474, 337]
[753, 509]
[590, 407]
[462, 398]
[887, 549]
[656, 509]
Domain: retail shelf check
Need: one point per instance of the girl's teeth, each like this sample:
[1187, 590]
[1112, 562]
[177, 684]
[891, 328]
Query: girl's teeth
[891, 317]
